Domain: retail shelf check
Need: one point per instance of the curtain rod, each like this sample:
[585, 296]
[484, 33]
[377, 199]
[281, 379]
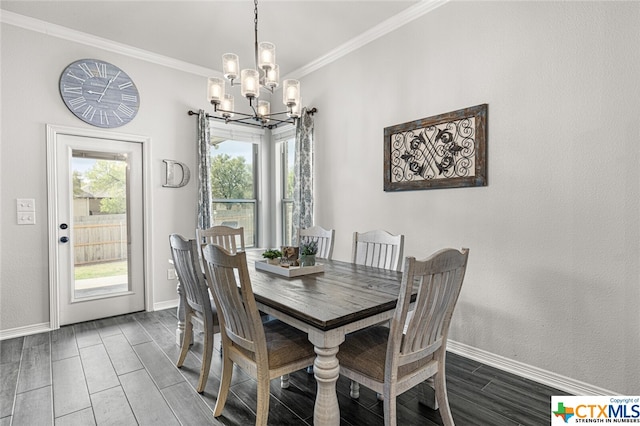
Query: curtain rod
[311, 111]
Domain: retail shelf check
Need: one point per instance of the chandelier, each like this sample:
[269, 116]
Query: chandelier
[264, 76]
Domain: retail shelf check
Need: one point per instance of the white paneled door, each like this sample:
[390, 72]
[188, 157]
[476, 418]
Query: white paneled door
[96, 226]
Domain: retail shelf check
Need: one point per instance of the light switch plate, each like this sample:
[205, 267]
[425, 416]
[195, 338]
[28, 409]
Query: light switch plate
[26, 205]
[26, 218]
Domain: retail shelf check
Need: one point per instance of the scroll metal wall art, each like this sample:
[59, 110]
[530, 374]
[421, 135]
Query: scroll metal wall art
[444, 151]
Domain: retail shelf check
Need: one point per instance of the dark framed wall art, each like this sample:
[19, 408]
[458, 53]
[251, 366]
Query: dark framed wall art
[444, 151]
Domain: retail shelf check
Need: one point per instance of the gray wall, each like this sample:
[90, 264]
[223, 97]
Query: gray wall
[31, 66]
[553, 275]
[553, 278]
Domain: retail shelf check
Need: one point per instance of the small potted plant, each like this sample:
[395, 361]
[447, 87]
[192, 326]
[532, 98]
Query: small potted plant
[308, 251]
[272, 256]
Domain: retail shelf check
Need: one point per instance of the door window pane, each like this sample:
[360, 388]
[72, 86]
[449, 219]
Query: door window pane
[100, 237]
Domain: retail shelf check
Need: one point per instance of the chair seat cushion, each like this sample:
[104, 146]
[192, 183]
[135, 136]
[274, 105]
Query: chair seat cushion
[365, 352]
[285, 344]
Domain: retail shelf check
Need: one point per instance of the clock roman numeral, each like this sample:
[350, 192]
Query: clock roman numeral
[84, 67]
[74, 90]
[125, 85]
[125, 110]
[89, 112]
[77, 102]
[72, 75]
[103, 118]
[129, 98]
[102, 69]
[118, 117]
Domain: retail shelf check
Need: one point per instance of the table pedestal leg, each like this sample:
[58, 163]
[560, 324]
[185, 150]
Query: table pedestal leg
[326, 370]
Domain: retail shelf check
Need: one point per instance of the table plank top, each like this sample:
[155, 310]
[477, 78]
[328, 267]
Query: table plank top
[340, 295]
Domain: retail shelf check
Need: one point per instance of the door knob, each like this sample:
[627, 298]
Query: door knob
[63, 226]
[64, 239]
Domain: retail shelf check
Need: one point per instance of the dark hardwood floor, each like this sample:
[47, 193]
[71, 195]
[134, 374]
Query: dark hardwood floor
[122, 371]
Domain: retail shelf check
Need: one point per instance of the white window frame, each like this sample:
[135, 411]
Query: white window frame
[257, 137]
[280, 136]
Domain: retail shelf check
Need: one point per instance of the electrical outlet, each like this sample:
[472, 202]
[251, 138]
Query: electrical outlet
[171, 274]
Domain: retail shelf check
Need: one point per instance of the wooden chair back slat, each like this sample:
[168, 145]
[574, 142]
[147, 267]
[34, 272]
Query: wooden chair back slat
[230, 238]
[230, 285]
[185, 259]
[324, 237]
[439, 280]
[378, 248]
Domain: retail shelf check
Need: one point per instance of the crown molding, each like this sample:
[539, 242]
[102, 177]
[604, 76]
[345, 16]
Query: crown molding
[393, 23]
[385, 27]
[65, 33]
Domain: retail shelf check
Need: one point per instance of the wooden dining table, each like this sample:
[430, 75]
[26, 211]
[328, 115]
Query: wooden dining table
[326, 305]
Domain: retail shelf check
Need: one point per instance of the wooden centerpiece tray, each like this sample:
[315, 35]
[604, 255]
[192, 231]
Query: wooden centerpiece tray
[292, 271]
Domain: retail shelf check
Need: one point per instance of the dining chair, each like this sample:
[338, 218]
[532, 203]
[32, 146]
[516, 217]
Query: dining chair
[264, 350]
[377, 248]
[392, 360]
[324, 237]
[198, 305]
[230, 238]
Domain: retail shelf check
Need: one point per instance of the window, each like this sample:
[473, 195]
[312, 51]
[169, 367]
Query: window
[287, 143]
[235, 180]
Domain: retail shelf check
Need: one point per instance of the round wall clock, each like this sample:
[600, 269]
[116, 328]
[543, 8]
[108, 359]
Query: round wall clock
[99, 93]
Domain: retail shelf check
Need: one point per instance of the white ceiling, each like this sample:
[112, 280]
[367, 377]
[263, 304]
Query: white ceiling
[199, 32]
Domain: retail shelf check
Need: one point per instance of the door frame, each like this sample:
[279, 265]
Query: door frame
[52, 210]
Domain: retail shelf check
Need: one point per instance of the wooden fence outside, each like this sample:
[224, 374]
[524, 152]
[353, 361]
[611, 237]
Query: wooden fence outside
[100, 238]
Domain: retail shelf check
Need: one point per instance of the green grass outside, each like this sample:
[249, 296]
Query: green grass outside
[97, 270]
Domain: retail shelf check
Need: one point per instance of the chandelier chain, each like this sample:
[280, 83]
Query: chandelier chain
[255, 31]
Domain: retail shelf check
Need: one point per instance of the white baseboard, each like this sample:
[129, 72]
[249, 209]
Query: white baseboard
[554, 380]
[25, 331]
[165, 305]
[45, 326]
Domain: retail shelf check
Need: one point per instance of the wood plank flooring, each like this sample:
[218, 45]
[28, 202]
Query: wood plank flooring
[121, 371]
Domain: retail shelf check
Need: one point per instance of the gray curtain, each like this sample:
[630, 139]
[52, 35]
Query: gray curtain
[204, 177]
[303, 175]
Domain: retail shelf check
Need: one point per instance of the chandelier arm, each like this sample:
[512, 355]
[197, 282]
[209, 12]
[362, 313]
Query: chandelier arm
[253, 108]
[237, 113]
[244, 123]
[273, 114]
[291, 120]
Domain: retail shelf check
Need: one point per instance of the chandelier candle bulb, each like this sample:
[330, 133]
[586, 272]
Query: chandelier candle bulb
[216, 90]
[266, 55]
[250, 80]
[295, 109]
[291, 92]
[272, 76]
[230, 66]
[227, 105]
[264, 109]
